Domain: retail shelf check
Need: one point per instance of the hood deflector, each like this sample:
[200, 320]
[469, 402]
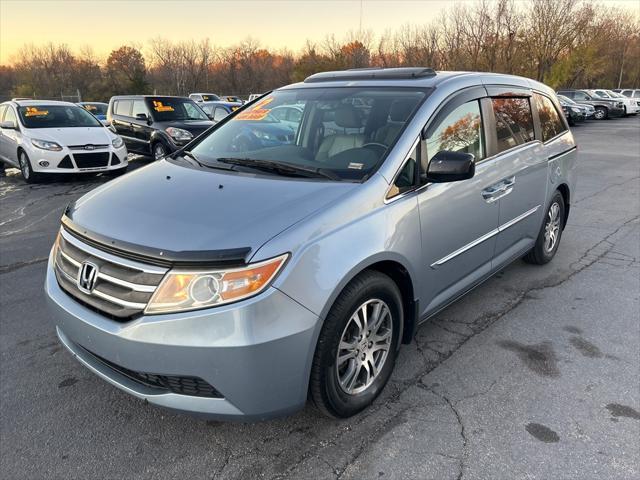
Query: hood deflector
[154, 256]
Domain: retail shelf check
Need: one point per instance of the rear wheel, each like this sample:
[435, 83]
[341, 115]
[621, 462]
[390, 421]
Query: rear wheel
[356, 350]
[549, 236]
[601, 113]
[27, 172]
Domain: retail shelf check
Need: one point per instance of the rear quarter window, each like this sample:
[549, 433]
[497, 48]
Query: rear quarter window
[551, 123]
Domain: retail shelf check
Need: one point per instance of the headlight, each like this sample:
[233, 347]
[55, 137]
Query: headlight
[190, 290]
[179, 134]
[117, 142]
[45, 145]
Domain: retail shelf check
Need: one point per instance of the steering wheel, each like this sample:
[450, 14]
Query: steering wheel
[380, 147]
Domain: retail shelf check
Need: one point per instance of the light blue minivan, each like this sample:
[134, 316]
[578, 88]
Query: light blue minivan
[236, 280]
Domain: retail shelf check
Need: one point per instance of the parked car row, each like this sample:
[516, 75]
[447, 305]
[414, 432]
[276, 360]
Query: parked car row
[605, 104]
[42, 137]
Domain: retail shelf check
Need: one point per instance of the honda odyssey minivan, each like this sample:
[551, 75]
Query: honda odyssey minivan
[237, 280]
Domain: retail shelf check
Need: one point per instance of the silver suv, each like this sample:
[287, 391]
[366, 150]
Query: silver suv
[267, 262]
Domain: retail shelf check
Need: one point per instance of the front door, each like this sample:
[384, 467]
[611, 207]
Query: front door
[458, 225]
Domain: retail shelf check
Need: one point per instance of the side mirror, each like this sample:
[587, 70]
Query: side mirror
[142, 116]
[9, 125]
[448, 166]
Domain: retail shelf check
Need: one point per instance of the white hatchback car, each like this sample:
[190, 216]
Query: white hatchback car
[41, 137]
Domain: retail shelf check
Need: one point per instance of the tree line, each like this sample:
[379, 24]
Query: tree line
[564, 43]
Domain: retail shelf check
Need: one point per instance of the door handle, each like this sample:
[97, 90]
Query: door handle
[498, 190]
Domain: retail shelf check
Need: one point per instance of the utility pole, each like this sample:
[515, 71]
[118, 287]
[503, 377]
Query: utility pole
[360, 27]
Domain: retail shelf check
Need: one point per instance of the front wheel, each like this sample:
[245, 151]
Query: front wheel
[159, 150]
[28, 174]
[601, 113]
[357, 347]
[549, 236]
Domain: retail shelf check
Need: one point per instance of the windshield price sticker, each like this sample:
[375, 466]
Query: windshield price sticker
[90, 107]
[160, 107]
[34, 112]
[257, 112]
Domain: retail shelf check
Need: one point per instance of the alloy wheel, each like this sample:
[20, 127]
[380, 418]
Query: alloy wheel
[24, 166]
[552, 227]
[364, 346]
[159, 151]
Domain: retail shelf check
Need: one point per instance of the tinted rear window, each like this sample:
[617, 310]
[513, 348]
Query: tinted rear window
[550, 120]
[514, 122]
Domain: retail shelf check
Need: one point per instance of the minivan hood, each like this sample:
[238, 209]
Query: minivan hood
[168, 207]
[73, 135]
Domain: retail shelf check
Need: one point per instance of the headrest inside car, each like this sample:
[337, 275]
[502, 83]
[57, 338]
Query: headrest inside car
[348, 117]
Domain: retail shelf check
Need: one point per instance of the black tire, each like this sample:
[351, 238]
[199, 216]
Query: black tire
[540, 253]
[28, 174]
[156, 148]
[602, 113]
[325, 390]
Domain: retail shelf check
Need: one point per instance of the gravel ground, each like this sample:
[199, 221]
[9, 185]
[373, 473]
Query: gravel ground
[535, 374]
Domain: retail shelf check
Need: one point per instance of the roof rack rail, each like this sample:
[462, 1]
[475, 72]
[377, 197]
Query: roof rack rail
[372, 73]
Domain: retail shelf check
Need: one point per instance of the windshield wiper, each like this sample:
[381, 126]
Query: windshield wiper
[186, 154]
[280, 167]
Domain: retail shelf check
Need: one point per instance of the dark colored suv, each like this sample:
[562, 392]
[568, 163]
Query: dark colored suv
[156, 125]
[605, 107]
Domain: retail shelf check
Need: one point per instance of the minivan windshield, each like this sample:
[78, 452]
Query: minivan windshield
[56, 116]
[344, 131]
[167, 109]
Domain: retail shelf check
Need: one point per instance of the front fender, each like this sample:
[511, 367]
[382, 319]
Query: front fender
[331, 248]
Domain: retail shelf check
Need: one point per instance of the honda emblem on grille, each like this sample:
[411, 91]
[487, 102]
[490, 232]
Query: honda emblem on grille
[89, 147]
[88, 276]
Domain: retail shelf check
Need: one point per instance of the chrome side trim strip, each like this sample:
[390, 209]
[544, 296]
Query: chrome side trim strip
[111, 258]
[519, 218]
[485, 237]
[463, 249]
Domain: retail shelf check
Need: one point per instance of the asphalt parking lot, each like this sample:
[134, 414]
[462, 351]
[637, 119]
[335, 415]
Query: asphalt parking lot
[535, 374]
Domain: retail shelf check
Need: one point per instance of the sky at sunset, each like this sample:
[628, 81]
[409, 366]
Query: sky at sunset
[105, 25]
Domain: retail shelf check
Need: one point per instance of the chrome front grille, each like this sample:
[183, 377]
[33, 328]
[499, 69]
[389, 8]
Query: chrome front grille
[122, 287]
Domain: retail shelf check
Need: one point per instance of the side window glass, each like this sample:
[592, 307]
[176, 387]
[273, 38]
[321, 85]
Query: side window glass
[406, 178]
[10, 116]
[123, 107]
[580, 96]
[219, 114]
[550, 120]
[459, 131]
[514, 122]
[192, 111]
[139, 107]
[295, 115]
[280, 113]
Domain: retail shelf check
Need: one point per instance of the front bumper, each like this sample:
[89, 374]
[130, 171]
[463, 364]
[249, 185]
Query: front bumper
[256, 353]
[64, 161]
